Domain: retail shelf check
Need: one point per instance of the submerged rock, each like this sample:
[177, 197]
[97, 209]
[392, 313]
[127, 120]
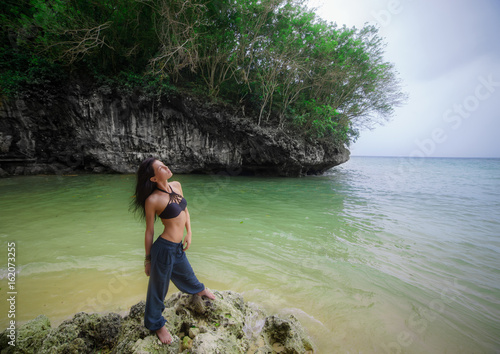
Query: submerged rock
[224, 325]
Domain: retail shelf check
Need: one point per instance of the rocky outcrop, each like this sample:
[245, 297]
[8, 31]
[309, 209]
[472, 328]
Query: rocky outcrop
[104, 132]
[224, 325]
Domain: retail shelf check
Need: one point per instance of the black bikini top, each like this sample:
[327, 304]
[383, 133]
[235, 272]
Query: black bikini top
[175, 205]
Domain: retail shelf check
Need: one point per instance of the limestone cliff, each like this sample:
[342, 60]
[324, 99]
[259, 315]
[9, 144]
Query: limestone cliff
[101, 131]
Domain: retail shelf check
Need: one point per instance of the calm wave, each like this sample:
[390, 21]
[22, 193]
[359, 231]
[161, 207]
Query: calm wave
[378, 255]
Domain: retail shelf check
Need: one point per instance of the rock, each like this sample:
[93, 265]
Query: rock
[30, 336]
[152, 344]
[286, 335]
[83, 333]
[187, 343]
[193, 332]
[224, 325]
[98, 132]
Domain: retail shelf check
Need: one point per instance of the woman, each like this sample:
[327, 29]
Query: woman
[165, 258]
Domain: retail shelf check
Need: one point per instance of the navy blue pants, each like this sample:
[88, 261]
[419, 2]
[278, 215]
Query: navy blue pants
[168, 262]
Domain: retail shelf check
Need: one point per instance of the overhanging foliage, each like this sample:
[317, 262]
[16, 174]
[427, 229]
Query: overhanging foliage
[274, 58]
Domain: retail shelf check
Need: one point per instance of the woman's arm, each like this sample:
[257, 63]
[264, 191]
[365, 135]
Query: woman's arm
[187, 239]
[149, 235]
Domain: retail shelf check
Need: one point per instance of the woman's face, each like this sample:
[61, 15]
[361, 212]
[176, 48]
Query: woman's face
[162, 172]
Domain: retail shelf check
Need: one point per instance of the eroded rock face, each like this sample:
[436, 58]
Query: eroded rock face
[99, 132]
[224, 325]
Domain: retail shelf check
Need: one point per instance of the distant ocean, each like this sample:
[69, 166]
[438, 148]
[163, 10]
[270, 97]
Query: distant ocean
[379, 255]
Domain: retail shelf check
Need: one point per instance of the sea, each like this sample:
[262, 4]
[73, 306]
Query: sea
[378, 255]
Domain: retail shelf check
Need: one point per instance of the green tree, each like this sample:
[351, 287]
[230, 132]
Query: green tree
[275, 58]
[176, 23]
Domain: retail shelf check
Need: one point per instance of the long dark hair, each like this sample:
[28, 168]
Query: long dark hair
[144, 186]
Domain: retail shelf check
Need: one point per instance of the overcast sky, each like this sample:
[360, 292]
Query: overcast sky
[448, 55]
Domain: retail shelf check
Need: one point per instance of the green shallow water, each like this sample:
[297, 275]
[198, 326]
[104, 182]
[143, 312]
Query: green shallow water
[378, 255]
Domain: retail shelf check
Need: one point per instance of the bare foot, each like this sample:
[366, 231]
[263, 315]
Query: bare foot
[163, 335]
[207, 293]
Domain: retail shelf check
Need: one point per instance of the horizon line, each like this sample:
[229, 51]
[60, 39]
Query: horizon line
[429, 157]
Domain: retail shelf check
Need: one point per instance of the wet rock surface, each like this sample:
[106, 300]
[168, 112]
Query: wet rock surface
[197, 325]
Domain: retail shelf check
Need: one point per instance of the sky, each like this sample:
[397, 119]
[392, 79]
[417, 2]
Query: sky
[447, 53]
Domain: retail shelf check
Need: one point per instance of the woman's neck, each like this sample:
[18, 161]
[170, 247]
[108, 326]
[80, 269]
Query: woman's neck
[163, 185]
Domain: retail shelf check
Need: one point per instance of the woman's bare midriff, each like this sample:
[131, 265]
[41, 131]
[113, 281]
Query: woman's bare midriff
[174, 228]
